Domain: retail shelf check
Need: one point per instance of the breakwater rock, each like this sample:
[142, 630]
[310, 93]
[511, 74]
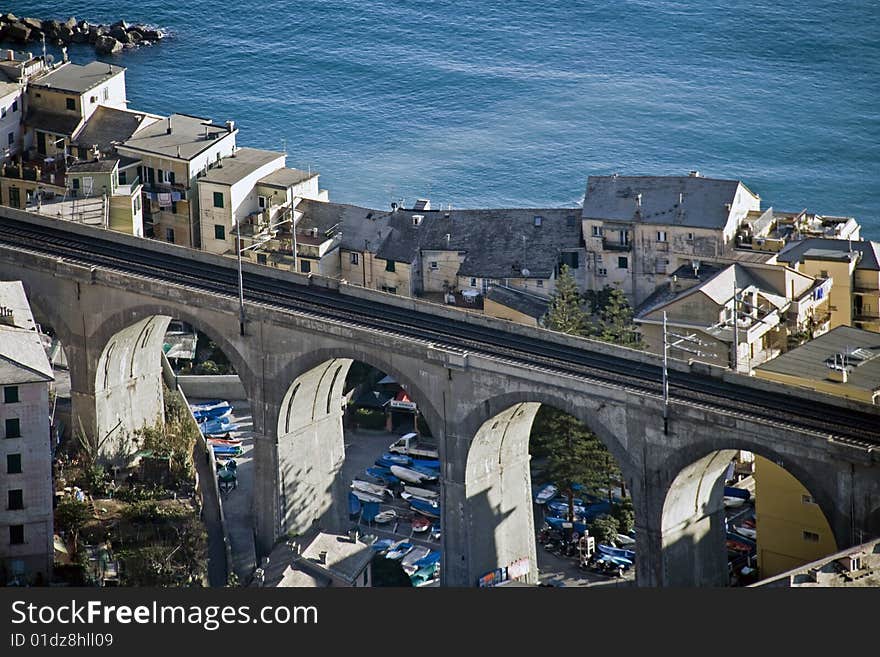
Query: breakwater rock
[106, 39]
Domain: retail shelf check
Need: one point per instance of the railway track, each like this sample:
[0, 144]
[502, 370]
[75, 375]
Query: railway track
[860, 429]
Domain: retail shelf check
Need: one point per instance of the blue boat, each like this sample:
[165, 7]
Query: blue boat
[354, 505]
[436, 531]
[430, 464]
[382, 545]
[211, 404]
[730, 491]
[396, 459]
[215, 427]
[559, 507]
[424, 507]
[385, 463]
[431, 558]
[383, 474]
[226, 450]
[617, 552]
[429, 473]
[556, 523]
[218, 412]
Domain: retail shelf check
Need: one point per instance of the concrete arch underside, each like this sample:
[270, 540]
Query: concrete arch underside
[499, 515]
[693, 533]
[310, 438]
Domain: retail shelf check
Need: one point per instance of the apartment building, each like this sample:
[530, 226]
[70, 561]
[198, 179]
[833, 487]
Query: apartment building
[173, 153]
[11, 104]
[770, 230]
[639, 229]
[854, 266]
[26, 527]
[774, 306]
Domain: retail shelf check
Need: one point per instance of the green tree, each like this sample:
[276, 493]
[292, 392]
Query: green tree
[605, 528]
[626, 515]
[615, 320]
[566, 313]
[71, 516]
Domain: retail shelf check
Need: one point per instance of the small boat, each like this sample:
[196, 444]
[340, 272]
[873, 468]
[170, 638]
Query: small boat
[421, 492]
[427, 473]
[385, 516]
[430, 509]
[354, 505]
[408, 474]
[546, 494]
[399, 550]
[224, 441]
[396, 459]
[430, 464]
[382, 544]
[385, 463]
[366, 497]
[420, 524]
[733, 502]
[748, 532]
[733, 491]
[425, 575]
[417, 553]
[431, 558]
[373, 489]
[217, 426]
[410, 496]
[210, 405]
[618, 553]
[212, 413]
[623, 540]
[383, 474]
[226, 450]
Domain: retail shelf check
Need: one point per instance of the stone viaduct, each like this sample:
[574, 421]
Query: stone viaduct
[479, 408]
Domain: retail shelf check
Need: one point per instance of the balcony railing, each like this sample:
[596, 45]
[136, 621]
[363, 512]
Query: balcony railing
[610, 245]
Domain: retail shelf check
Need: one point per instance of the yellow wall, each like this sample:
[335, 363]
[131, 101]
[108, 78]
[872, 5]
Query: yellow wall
[399, 278]
[448, 263]
[782, 516]
[840, 298]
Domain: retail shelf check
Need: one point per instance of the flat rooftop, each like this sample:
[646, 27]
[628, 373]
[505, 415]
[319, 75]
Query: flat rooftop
[188, 136]
[77, 78]
[22, 356]
[245, 162]
[810, 360]
[287, 177]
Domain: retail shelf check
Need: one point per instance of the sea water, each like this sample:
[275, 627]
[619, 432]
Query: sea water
[515, 103]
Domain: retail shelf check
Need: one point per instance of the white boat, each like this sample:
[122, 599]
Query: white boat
[399, 550]
[410, 496]
[424, 493]
[745, 531]
[408, 562]
[367, 497]
[546, 494]
[733, 502]
[385, 516]
[367, 487]
[623, 540]
[412, 476]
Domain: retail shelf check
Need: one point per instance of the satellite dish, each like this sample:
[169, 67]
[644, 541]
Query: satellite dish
[525, 272]
[50, 59]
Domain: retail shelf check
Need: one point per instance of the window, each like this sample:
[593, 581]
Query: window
[538, 221]
[123, 178]
[170, 176]
[622, 262]
[539, 283]
[473, 282]
[389, 265]
[690, 237]
[173, 207]
[10, 138]
[354, 258]
[823, 273]
[261, 259]
[661, 235]
[602, 271]
[624, 237]
[366, 576]
[75, 183]
[807, 499]
[71, 103]
[417, 219]
[16, 534]
[169, 235]
[13, 428]
[105, 93]
[2, 112]
[811, 537]
[14, 105]
[597, 231]
[570, 220]
[261, 201]
[434, 264]
[305, 266]
[13, 464]
[14, 198]
[16, 499]
[137, 204]
[390, 289]
[10, 395]
[219, 232]
[218, 199]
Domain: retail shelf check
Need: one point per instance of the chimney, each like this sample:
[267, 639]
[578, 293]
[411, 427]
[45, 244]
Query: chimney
[322, 556]
[680, 198]
[207, 136]
[638, 200]
[230, 126]
[168, 129]
[7, 317]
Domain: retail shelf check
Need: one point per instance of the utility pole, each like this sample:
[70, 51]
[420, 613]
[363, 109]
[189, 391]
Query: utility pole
[667, 345]
[735, 328]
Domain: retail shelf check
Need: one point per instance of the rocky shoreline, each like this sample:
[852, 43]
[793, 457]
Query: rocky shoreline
[106, 39]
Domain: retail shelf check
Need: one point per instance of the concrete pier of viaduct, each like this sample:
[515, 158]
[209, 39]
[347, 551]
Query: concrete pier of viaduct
[480, 409]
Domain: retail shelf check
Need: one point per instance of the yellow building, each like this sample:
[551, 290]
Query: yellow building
[855, 268]
[515, 305]
[792, 530]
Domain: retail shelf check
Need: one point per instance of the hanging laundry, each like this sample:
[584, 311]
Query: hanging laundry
[175, 196]
[164, 199]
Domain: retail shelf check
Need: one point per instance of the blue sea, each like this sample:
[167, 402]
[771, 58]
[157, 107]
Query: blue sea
[483, 104]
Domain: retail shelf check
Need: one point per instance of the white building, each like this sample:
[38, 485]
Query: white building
[10, 119]
[26, 529]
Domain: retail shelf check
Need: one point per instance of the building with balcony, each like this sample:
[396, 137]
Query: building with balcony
[639, 229]
[26, 491]
[769, 230]
[857, 566]
[11, 106]
[173, 153]
[772, 304]
[855, 267]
